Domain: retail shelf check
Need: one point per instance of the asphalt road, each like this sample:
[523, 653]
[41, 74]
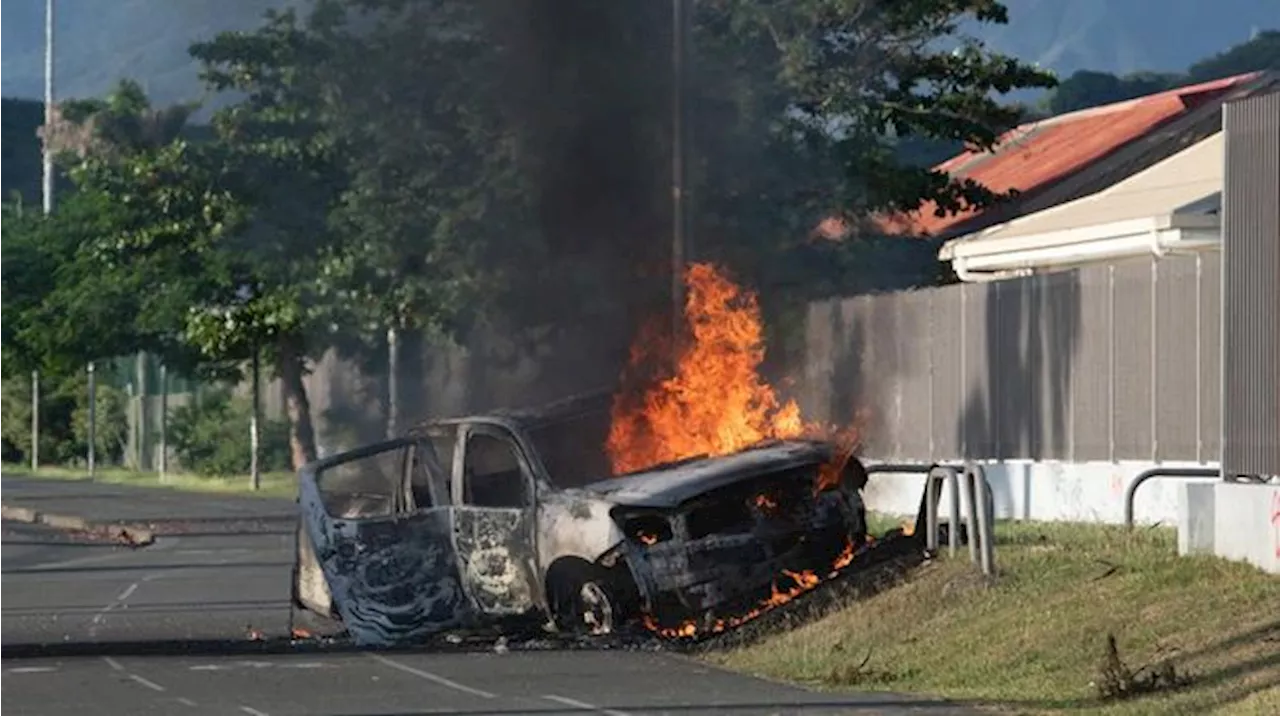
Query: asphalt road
[218, 584]
[190, 586]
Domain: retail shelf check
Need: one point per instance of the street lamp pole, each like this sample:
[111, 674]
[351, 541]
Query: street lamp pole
[47, 156]
[46, 200]
[679, 26]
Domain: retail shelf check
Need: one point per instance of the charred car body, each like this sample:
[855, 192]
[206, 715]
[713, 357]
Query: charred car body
[506, 515]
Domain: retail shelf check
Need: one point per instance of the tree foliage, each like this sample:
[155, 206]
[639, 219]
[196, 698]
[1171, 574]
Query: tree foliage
[1088, 88]
[426, 165]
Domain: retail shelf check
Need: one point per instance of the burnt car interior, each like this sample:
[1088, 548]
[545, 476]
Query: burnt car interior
[492, 473]
[364, 487]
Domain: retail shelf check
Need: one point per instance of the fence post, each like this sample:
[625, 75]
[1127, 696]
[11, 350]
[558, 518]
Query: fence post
[393, 381]
[144, 415]
[35, 420]
[982, 517]
[164, 421]
[255, 407]
[93, 419]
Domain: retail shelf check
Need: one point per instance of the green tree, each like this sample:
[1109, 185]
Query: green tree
[1261, 52]
[1086, 88]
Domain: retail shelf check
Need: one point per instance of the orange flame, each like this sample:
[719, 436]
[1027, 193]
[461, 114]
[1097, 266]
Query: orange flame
[801, 582]
[716, 402]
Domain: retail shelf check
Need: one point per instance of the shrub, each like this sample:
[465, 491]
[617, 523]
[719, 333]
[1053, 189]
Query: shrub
[211, 436]
[64, 420]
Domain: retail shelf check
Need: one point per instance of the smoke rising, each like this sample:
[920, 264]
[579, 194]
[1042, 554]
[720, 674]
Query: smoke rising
[585, 91]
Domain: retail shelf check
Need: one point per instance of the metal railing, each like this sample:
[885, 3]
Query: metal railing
[1181, 472]
[980, 520]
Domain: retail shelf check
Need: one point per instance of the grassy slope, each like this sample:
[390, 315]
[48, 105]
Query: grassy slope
[274, 484]
[1035, 640]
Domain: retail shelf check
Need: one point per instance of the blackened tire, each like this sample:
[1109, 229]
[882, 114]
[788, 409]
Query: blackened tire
[583, 601]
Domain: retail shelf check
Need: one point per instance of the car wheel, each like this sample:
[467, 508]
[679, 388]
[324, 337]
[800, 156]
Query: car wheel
[583, 603]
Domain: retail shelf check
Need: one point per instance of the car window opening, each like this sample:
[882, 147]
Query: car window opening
[492, 474]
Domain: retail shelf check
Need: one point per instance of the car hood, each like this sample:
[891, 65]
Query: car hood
[668, 487]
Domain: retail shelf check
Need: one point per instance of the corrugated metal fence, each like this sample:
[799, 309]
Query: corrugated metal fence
[1251, 234]
[1108, 362]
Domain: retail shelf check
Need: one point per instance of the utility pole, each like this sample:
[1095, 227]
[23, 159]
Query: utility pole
[46, 191]
[679, 25]
[47, 156]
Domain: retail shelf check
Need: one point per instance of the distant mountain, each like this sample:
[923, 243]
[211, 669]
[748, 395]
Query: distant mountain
[1125, 36]
[100, 41]
[97, 42]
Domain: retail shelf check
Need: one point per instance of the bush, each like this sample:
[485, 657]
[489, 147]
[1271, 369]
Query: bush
[211, 437]
[64, 420]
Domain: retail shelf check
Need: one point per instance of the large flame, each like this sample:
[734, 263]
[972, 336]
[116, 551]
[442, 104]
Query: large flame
[716, 402]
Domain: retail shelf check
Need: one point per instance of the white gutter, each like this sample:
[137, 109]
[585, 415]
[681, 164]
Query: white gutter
[993, 259]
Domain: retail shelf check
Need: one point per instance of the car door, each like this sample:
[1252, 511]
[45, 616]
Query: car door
[386, 554]
[493, 520]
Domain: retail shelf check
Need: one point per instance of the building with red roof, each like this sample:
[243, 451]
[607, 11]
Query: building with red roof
[1055, 160]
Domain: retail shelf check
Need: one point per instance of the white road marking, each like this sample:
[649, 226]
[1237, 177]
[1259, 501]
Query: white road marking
[584, 706]
[147, 682]
[432, 677]
[113, 663]
[260, 665]
[186, 701]
[120, 599]
[252, 711]
[31, 669]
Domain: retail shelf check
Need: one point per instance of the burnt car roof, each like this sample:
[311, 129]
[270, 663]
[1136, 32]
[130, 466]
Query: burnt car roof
[575, 406]
[668, 486]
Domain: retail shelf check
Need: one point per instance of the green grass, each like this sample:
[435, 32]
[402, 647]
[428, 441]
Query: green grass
[1033, 640]
[273, 484]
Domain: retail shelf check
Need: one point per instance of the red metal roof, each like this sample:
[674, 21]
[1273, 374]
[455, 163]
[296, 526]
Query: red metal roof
[1038, 154]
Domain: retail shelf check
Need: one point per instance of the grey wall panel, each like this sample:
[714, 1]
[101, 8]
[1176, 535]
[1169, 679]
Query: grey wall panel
[880, 344]
[1006, 334]
[871, 394]
[1210, 356]
[1056, 345]
[914, 376]
[1091, 370]
[948, 389]
[1026, 368]
[1251, 281]
[820, 351]
[1175, 358]
[976, 421]
[1133, 374]
[853, 392]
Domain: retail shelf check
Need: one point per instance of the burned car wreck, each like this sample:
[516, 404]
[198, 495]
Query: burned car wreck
[468, 521]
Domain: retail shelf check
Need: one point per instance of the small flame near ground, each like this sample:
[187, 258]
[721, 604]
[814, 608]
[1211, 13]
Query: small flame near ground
[800, 582]
[715, 402]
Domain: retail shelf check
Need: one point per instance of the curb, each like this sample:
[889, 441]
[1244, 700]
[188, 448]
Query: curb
[131, 535]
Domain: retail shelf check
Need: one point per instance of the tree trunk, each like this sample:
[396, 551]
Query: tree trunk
[302, 437]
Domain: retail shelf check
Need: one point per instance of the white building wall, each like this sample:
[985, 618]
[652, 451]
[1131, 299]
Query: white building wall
[1049, 491]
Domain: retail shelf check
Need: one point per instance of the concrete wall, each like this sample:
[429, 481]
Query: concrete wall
[1051, 491]
[1238, 521]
